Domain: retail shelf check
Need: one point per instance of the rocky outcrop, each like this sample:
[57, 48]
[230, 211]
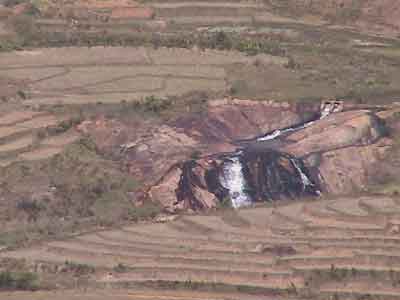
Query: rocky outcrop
[237, 180]
[149, 151]
[347, 170]
[346, 129]
[199, 161]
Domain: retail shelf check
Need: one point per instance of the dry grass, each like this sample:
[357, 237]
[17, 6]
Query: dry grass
[233, 250]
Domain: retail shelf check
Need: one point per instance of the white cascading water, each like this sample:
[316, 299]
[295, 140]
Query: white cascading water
[304, 178]
[279, 132]
[232, 178]
[273, 135]
[326, 111]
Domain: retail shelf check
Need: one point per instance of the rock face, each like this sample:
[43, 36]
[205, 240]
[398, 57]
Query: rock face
[226, 154]
[342, 147]
[348, 169]
[352, 128]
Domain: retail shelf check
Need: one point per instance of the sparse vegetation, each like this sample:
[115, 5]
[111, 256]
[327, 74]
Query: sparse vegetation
[238, 87]
[148, 210]
[154, 104]
[225, 203]
[64, 126]
[269, 251]
[24, 281]
[78, 269]
[121, 268]
[96, 189]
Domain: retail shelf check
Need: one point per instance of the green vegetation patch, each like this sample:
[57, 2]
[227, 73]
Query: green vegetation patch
[25, 281]
[78, 269]
[89, 185]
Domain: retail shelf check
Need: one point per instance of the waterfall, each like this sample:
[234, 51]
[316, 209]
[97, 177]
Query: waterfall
[326, 111]
[273, 135]
[304, 178]
[232, 179]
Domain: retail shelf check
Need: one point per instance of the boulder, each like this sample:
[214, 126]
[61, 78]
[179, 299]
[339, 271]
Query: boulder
[348, 169]
[346, 129]
[165, 191]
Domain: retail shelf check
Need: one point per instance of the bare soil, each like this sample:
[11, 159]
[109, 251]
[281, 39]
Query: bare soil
[269, 257]
[66, 208]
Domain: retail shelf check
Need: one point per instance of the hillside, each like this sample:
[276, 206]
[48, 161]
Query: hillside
[236, 149]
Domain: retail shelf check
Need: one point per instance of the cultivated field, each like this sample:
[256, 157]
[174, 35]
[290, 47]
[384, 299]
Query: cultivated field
[104, 75]
[23, 136]
[72, 218]
[313, 58]
[343, 248]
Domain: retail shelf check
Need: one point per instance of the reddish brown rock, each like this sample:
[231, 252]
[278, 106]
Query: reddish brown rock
[348, 170]
[165, 191]
[352, 128]
[174, 160]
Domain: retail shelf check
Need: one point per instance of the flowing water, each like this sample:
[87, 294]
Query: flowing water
[233, 179]
[250, 174]
[304, 178]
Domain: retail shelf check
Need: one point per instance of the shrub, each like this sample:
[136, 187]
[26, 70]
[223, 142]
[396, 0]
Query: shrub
[292, 64]
[155, 105]
[79, 269]
[65, 125]
[32, 208]
[11, 3]
[238, 87]
[146, 211]
[226, 202]
[121, 268]
[25, 281]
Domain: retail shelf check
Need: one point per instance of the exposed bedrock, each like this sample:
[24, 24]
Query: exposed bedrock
[238, 179]
[247, 151]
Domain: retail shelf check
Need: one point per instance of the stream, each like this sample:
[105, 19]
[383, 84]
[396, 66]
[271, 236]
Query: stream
[254, 173]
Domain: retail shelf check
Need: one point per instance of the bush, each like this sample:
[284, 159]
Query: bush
[292, 64]
[65, 125]
[79, 269]
[155, 105]
[25, 281]
[11, 3]
[121, 268]
[226, 202]
[146, 211]
[238, 87]
[32, 208]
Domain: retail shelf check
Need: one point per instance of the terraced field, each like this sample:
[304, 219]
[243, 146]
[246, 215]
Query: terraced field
[206, 13]
[20, 137]
[99, 75]
[343, 248]
[166, 15]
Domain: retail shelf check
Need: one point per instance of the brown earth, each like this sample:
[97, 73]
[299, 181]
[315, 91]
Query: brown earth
[380, 17]
[58, 178]
[344, 247]
[98, 75]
